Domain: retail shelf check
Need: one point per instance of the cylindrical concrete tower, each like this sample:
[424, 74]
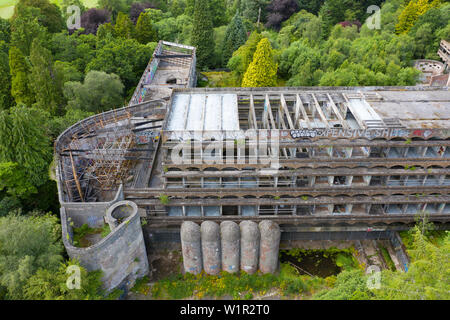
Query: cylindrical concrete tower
[191, 247]
[230, 240]
[249, 246]
[211, 247]
[269, 245]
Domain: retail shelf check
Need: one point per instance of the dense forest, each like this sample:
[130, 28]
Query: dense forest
[51, 77]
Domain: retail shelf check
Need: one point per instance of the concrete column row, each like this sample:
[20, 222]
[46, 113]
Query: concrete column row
[230, 247]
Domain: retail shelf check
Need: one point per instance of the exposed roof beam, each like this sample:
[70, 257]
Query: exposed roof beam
[252, 112]
[286, 111]
[337, 112]
[302, 108]
[319, 110]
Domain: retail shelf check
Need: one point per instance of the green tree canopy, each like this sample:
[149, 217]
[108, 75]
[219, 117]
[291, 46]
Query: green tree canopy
[24, 140]
[235, 36]
[19, 69]
[49, 13]
[43, 79]
[145, 31]
[27, 243]
[123, 28]
[99, 92]
[202, 34]
[262, 71]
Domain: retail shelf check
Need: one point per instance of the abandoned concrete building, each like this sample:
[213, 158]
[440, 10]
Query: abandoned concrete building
[321, 162]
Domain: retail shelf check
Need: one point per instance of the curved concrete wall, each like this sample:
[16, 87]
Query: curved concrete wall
[121, 255]
[230, 237]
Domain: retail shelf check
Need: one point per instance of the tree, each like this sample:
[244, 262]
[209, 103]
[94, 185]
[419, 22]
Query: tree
[49, 13]
[27, 243]
[125, 58]
[48, 285]
[412, 12]
[243, 56]
[113, 6]
[250, 9]
[43, 79]
[202, 34]
[177, 7]
[14, 181]
[428, 272]
[311, 6]
[20, 87]
[5, 30]
[279, 11]
[334, 11]
[25, 28]
[99, 92]
[145, 32]
[92, 18]
[23, 140]
[137, 8]
[350, 285]
[262, 71]
[123, 27]
[235, 36]
[6, 99]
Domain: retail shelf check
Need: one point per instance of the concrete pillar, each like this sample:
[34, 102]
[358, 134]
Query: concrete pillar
[249, 246]
[191, 247]
[348, 208]
[230, 236]
[211, 247]
[269, 246]
[348, 180]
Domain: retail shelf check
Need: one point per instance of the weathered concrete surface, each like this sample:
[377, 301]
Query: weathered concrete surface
[230, 239]
[211, 250]
[121, 255]
[249, 246]
[269, 246]
[191, 247]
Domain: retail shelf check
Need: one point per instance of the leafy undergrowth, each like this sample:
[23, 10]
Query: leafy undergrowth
[81, 234]
[286, 283]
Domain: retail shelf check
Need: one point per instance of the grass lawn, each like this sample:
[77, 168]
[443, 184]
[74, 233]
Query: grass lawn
[7, 6]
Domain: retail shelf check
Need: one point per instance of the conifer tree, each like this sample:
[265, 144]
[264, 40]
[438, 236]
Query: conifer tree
[20, 87]
[412, 12]
[145, 32]
[43, 79]
[5, 80]
[262, 71]
[124, 26]
[202, 33]
[235, 37]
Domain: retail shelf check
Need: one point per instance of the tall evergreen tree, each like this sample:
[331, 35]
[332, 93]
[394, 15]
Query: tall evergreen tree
[262, 71]
[5, 80]
[124, 27]
[202, 33]
[43, 79]
[49, 14]
[25, 28]
[23, 140]
[19, 69]
[235, 36]
[145, 32]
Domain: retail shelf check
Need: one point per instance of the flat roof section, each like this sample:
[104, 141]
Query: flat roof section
[201, 112]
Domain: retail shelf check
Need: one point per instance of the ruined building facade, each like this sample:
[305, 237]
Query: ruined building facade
[321, 162]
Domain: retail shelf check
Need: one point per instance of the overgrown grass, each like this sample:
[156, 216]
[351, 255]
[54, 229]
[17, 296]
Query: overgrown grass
[237, 286]
[219, 79]
[80, 234]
